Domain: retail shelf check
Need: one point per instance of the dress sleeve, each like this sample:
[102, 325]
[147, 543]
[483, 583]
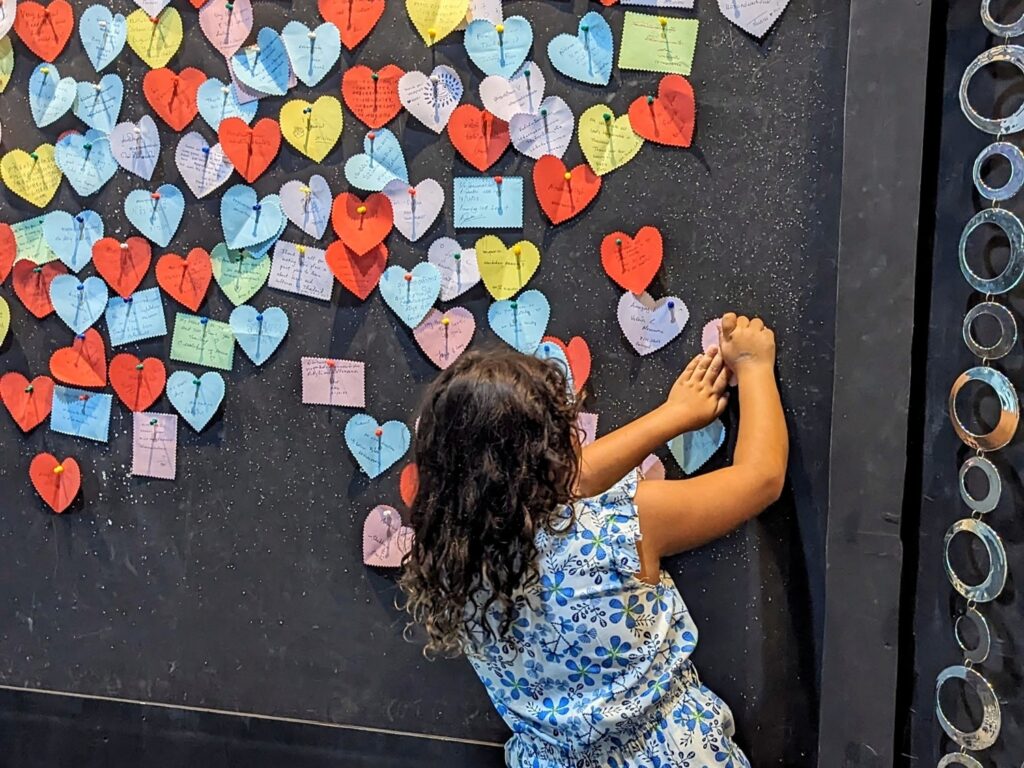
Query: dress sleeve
[621, 524]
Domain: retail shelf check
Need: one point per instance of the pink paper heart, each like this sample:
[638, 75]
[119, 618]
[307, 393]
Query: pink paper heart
[444, 342]
[385, 539]
[652, 468]
[648, 324]
[415, 208]
[226, 28]
[203, 168]
[711, 337]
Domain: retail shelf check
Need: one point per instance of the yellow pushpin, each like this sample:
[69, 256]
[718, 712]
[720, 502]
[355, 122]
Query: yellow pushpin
[301, 249]
[517, 250]
[58, 469]
[445, 321]
[567, 176]
[45, 70]
[361, 210]
[432, 33]
[306, 190]
[499, 28]
[663, 21]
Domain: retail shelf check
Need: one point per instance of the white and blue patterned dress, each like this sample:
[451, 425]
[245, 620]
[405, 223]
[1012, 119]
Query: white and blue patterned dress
[595, 671]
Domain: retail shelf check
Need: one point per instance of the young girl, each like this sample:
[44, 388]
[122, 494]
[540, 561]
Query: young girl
[542, 562]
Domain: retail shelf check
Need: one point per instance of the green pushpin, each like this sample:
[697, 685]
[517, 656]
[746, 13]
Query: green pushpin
[375, 77]
[607, 117]
[139, 367]
[585, 28]
[28, 389]
[37, 270]
[33, 155]
[87, 146]
[544, 113]
[457, 256]
[513, 305]
[618, 241]
[197, 382]
[650, 100]
[153, 422]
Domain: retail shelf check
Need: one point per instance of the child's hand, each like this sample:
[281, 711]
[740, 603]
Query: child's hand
[747, 344]
[698, 396]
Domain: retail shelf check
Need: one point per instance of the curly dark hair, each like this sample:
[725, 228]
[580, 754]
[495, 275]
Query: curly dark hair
[498, 455]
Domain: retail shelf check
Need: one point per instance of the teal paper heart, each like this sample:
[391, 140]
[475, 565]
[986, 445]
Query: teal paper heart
[49, 96]
[263, 67]
[587, 56]
[218, 101]
[499, 53]
[103, 35]
[376, 446]
[78, 304]
[248, 221]
[411, 294]
[158, 214]
[692, 450]
[312, 53]
[521, 322]
[259, 334]
[85, 160]
[196, 399]
[72, 237]
[382, 161]
[98, 105]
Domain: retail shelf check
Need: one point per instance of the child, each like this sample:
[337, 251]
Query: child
[541, 562]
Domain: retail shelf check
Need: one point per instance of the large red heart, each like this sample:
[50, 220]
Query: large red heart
[250, 149]
[577, 352]
[562, 193]
[137, 382]
[45, 30]
[8, 250]
[122, 265]
[32, 284]
[359, 274]
[480, 137]
[372, 96]
[83, 364]
[362, 225]
[173, 96]
[57, 482]
[632, 262]
[408, 483]
[353, 18]
[29, 403]
[185, 280]
[671, 117]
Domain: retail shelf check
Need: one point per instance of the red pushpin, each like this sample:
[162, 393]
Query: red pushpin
[498, 180]
[408, 277]
[412, 191]
[83, 398]
[331, 363]
[155, 195]
[379, 432]
[154, 19]
[371, 135]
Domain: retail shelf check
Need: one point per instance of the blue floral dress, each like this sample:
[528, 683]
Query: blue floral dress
[595, 671]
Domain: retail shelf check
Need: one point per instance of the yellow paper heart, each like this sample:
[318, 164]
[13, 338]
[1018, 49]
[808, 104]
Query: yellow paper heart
[155, 40]
[5, 319]
[608, 142]
[505, 270]
[435, 19]
[6, 61]
[33, 178]
[313, 129]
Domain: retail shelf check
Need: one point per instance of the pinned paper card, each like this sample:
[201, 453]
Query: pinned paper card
[98, 105]
[79, 413]
[83, 364]
[411, 294]
[548, 132]
[250, 149]
[85, 160]
[33, 176]
[5, 320]
[754, 17]
[353, 18]
[202, 167]
[499, 48]
[103, 35]
[247, 220]
[521, 93]
[301, 269]
[155, 445]
[196, 399]
[382, 160]
[185, 280]
[489, 202]
[258, 333]
[136, 146]
[138, 317]
[692, 450]
[122, 265]
[415, 208]
[432, 98]
[202, 341]
[608, 142]
[72, 236]
[658, 43]
[386, 541]
[138, 383]
[632, 262]
[505, 270]
[478, 136]
[372, 96]
[485, 9]
[28, 402]
[238, 273]
[156, 214]
[327, 381]
[6, 62]
[457, 265]
[587, 424]
[312, 52]
[226, 24]
[217, 102]
[313, 129]
[307, 204]
[648, 324]
[78, 303]
[155, 39]
[44, 29]
[29, 242]
[173, 96]
[521, 322]
[57, 483]
[443, 336]
[49, 95]
[376, 447]
[668, 118]
[264, 66]
[358, 274]
[586, 56]
[436, 19]
[31, 283]
[563, 193]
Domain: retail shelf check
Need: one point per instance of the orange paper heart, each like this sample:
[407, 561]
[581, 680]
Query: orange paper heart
[359, 274]
[185, 280]
[670, 117]
[137, 382]
[83, 364]
[577, 353]
[8, 250]
[480, 137]
[32, 285]
[362, 225]
[372, 96]
[408, 483]
[173, 96]
[632, 262]
[57, 482]
[353, 18]
[29, 403]
[44, 30]
[122, 265]
[561, 193]
[250, 149]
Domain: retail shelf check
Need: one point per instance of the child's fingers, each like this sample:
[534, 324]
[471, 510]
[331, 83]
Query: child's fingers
[722, 381]
[690, 368]
[714, 368]
[702, 366]
[728, 325]
[720, 405]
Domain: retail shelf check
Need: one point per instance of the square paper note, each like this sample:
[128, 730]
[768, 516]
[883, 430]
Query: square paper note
[650, 46]
[301, 269]
[29, 241]
[202, 341]
[587, 422]
[140, 316]
[155, 445]
[81, 413]
[483, 203]
[333, 382]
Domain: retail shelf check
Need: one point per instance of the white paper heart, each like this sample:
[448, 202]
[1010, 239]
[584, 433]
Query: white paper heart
[415, 208]
[152, 7]
[755, 17]
[385, 540]
[549, 132]
[308, 205]
[136, 146]
[204, 168]
[648, 324]
[507, 97]
[457, 265]
[432, 98]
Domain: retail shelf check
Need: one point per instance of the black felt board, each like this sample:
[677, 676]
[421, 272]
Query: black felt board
[240, 586]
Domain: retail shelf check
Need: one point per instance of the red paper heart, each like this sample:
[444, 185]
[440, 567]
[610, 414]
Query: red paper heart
[359, 274]
[373, 100]
[668, 119]
[353, 18]
[28, 403]
[83, 364]
[197, 4]
[122, 265]
[577, 353]
[32, 284]
[137, 382]
[173, 96]
[559, 197]
[362, 232]
[58, 487]
[480, 137]
[185, 280]
[250, 149]
[8, 250]
[408, 483]
[45, 30]
[632, 262]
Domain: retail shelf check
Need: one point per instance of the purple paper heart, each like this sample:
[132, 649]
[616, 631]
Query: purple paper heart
[226, 25]
[136, 146]
[204, 168]
[415, 208]
[308, 205]
[546, 133]
[385, 539]
[457, 265]
[443, 336]
[648, 324]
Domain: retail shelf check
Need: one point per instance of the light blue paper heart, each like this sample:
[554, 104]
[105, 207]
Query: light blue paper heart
[411, 295]
[374, 453]
[248, 221]
[103, 35]
[312, 53]
[692, 450]
[85, 160]
[218, 101]
[521, 322]
[72, 236]
[499, 54]
[587, 56]
[196, 399]
[78, 304]
[258, 333]
[265, 66]
[98, 105]
[156, 218]
[49, 96]
[554, 353]
[381, 161]
[259, 250]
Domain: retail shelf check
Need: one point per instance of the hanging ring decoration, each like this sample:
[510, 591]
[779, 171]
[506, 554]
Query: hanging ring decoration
[1014, 270]
[1009, 406]
[1013, 29]
[1007, 330]
[1013, 185]
[991, 720]
[990, 500]
[958, 758]
[979, 653]
[989, 589]
[1013, 54]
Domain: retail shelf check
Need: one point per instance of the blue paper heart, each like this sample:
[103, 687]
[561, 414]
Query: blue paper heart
[98, 105]
[72, 237]
[49, 96]
[264, 67]
[411, 294]
[260, 250]
[247, 220]
[218, 101]
[587, 57]
[85, 160]
[258, 333]
[196, 399]
[374, 453]
[78, 304]
[311, 57]
[382, 161]
[522, 322]
[554, 353]
[499, 54]
[156, 218]
[103, 35]
[693, 449]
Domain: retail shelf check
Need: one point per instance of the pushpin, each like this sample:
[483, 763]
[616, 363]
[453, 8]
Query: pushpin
[301, 249]
[81, 287]
[379, 432]
[153, 422]
[544, 112]
[457, 256]
[128, 300]
[567, 176]
[311, 34]
[229, 6]
[154, 19]
[671, 305]
[526, 72]
[547, 349]
[83, 398]
[517, 250]
[124, 246]
[331, 363]
[374, 76]
[498, 180]
[33, 155]
[499, 28]
[28, 389]
[445, 322]
[37, 270]
[663, 21]
[435, 80]
[155, 195]
[618, 241]
[432, 33]
[650, 100]
[585, 28]
[307, 110]
[361, 210]
[80, 336]
[204, 320]
[225, 90]
[306, 190]
[196, 382]
[513, 305]
[136, 129]
[371, 135]
[259, 318]
[87, 146]
[412, 191]
[607, 117]
[408, 277]
[257, 207]
[45, 70]
[79, 218]
[139, 367]
[206, 150]
[59, 469]
[97, 86]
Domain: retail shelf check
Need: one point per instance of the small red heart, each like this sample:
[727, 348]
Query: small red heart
[122, 268]
[353, 18]
[83, 364]
[632, 262]
[57, 482]
[137, 382]
[577, 352]
[480, 137]
[185, 280]
[561, 198]
[45, 30]
[362, 232]
[28, 403]
[359, 274]
[173, 96]
[32, 284]
[197, 4]
[671, 117]
[373, 101]
[250, 149]
[408, 483]
[8, 250]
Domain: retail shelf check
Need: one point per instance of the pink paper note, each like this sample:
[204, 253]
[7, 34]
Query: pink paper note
[652, 468]
[443, 342]
[588, 423]
[385, 540]
[155, 445]
[328, 381]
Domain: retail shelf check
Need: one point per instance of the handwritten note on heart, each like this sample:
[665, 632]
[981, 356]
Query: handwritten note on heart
[31, 283]
[443, 336]
[103, 35]
[138, 383]
[250, 149]
[670, 117]
[521, 322]
[457, 265]
[49, 95]
[412, 294]
[358, 274]
[226, 24]
[258, 333]
[432, 98]
[372, 96]
[45, 30]
[83, 364]
[33, 176]
[588, 55]
[608, 142]
[386, 541]
[376, 447]
[5, 320]
[238, 273]
[155, 39]
[478, 136]
[156, 214]
[204, 168]
[85, 160]
[173, 96]
[521, 93]
[381, 161]
[217, 101]
[247, 220]
[563, 193]
[264, 67]
[632, 262]
[122, 264]
[313, 129]
[755, 17]
[362, 224]
[307, 204]
[136, 146]
[415, 207]
[196, 399]
[312, 52]
[28, 402]
[648, 324]
[98, 105]
[548, 132]
[355, 19]
[505, 270]
[692, 450]
[186, 280]
[499, 48]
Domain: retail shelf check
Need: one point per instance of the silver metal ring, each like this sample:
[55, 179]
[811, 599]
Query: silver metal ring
[958, 758]
[1009, 416]
[989, 589]
[1013, 185]
[1014, 270]
[979, 653]
[991, 719]
[990, 500]
[1013, 29]
[1013, 54]
[1007, 330]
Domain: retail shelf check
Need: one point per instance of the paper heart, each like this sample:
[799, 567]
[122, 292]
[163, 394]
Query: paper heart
[648, 324]
[152, 7]
[238, 273]
[632, 262]
[49, 95]
[499, 48]
[31, 283]
[436, 19]
[608, 142]
[668, 119]
[196, 399]
[386, 541]
[408, 483]
[307, 205]
[457, 265]
[246, 220]
[372, 96]
[98, 105]
[103, 35]
[432, 98]
[139, 383]
[72, 237]
[6, 61]
[586, 56]
[5, 320]
[136, 146]
[78, 303]
[521, 93]
[478, 136]
[577, 353]
[754, 18]
[122, 264]
[561, 193]
[186, 280]
[8, 250]
[217, 101]
[312, 52]
[358, 274]
[505, 270]
[692, 450]
[415, 208]
[353, 18]
[203, 168]
[313, 129]
[158, 214]
[652, 468]
[250, 150]
[555, 354]
[29, 403]
[381, 161]
[263, 67]
[362, 224]
[521, 322]
[411, 295]
[376, 447]
[443, 336]
[226, 24]
[262, 248]
[34, 176]
[83, 364]
[86, 160]
[259, 334]
[711, 336]
[173, 96]
[45, 30]
[8, 11]
[155, 38]
[548, 132]
[57, 483]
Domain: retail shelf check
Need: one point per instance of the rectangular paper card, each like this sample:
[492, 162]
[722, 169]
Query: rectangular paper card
[141, 316]
[687, 4]
[155, 445]
[333, 382]
[210, 343]
[80, 413]
[29, 241]
[649, 46]
[301, 269]
[482, 203]
[588, 423]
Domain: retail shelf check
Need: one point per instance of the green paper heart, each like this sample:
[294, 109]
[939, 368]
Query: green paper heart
[238, 273]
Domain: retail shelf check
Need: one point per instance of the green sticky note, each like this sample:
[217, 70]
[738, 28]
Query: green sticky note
[6, 61]
[651, 46]
[29, 241]
[238, 273]
[202, 341]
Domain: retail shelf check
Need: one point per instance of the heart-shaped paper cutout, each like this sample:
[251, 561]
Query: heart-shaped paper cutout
[555, 354]
[122, 264]
[6, 60]
[5, 320]
[521, 93]
[692, 450]
[408, 483]
[98, 105]
[72, 237]
[457, 265]
[372, 96]
[632, 262]
[186, 280]
[313, 129]
[136, 146]
[157, 214]
[155, 38]
[217, 102]
[83, 364]
[753, 18]
[196, 399]
[34, 176]
[31, 284]
[505, 270]
[49, 95]
[226, 24]
[382, 160]
[415, 208]
[204, 168]
[577, 353]
[85, 160]
[432, 98]
[250, 149]
[8, 250]
[478, 136]
[139, 383]
[376, 447]
[522, 322]
[561, 193]
[173, 96]
[648, 324]
[261, 249]
[549, 132]
[263, 67]
[353, 18]
[436, 19]
[308, 205]
[588, 55]
[362, 224]
[386, 541]
[29, 403]
[669, 118]
[78, 303]
[312, 52]
[44, 30]
[499, 49]
[239, 273]
[56, 482]
[411, 295]
[652, 468]
[247, 220]
[711, 336]
[103, 35]
[443, 336]
[152, 7]
[358, 274]
[608, 142]
[258, 333]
